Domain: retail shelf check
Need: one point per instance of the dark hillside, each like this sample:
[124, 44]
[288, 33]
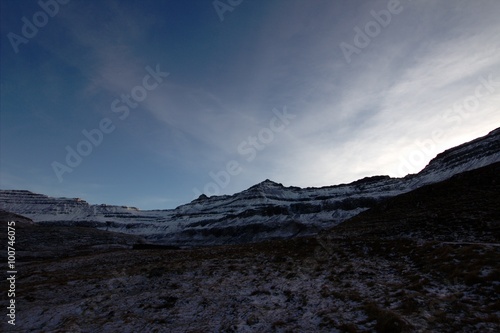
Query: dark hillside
[464, 208]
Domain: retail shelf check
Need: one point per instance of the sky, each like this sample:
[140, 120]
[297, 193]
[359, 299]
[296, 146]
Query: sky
[151, 103]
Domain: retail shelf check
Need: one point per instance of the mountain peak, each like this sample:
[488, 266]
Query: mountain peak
[203, 197]
[267, 184]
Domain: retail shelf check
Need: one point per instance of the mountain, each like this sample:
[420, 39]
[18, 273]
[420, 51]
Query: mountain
[469, 156]
[423, 261]
[36, 242]
[267, 210]
[464, 208]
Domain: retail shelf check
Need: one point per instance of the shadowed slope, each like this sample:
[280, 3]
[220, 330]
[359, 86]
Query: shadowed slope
[463, 208]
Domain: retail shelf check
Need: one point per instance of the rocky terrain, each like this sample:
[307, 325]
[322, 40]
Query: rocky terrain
[424, 261]
[38, 242]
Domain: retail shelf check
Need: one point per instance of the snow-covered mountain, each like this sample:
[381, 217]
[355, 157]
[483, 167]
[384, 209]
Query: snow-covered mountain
[264, 211]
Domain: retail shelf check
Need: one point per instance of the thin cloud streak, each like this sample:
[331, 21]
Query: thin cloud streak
[352, 120]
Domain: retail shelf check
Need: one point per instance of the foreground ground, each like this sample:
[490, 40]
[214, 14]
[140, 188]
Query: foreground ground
[304, 285]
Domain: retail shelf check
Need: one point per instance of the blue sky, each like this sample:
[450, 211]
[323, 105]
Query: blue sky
[183, 97]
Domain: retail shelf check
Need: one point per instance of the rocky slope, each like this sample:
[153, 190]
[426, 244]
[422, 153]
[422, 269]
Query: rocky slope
[38, 242]
[265, 211]
[464, 208]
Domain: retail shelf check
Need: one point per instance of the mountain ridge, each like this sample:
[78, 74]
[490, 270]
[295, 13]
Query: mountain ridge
[423, 261]
[266, 210]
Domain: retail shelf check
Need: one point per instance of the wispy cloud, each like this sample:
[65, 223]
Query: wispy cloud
[352, 119]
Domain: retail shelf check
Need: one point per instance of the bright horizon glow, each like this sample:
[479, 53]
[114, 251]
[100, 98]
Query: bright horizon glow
[269, 92]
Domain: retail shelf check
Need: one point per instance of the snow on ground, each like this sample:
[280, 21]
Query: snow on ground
[302, 285]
